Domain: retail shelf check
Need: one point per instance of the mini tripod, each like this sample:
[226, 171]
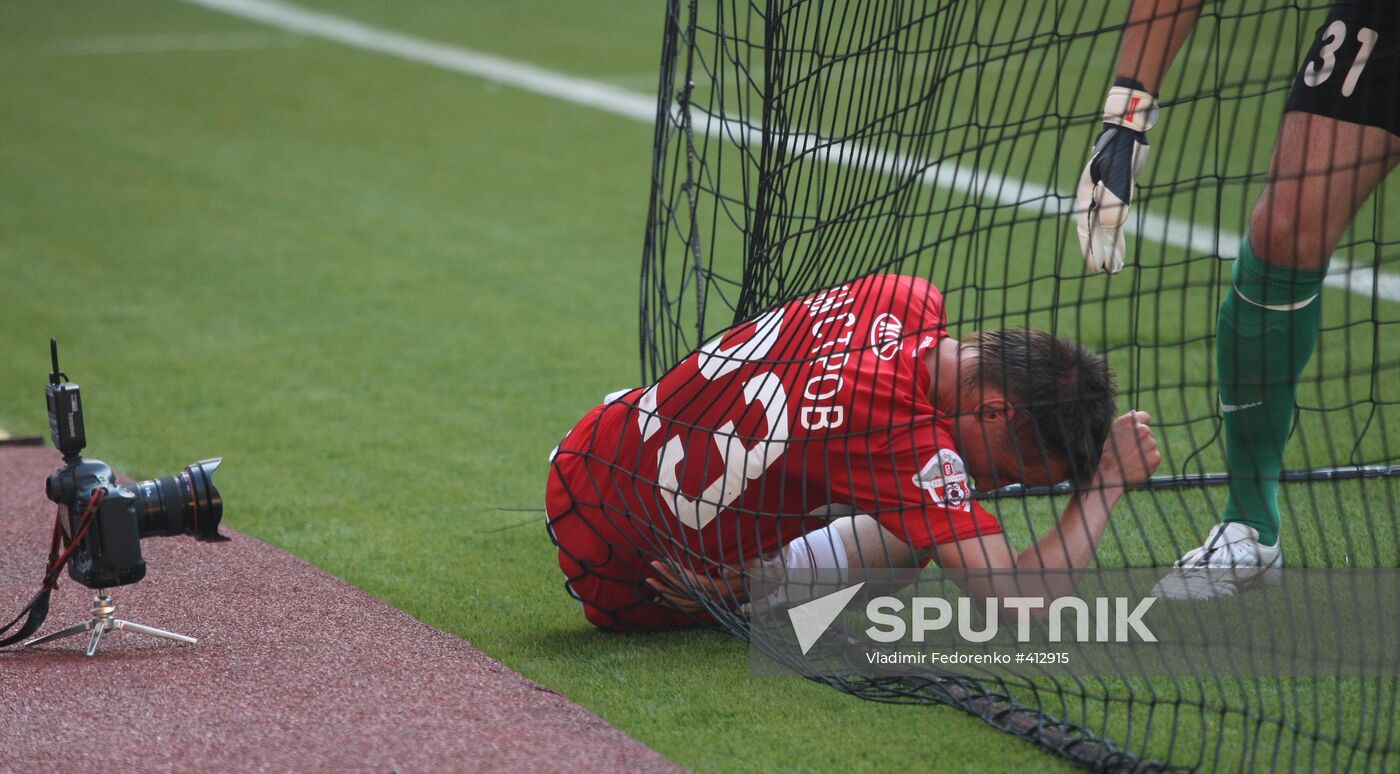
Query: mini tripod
[104, 620]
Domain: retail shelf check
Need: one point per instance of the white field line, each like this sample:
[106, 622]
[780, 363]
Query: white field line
[170, 43]
[1179, 233]
[357, 35]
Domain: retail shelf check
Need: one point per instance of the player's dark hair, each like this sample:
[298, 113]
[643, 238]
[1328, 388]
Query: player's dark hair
[1062, 391]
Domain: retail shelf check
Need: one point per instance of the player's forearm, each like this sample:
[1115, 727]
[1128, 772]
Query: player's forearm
[1156, 31]
[1069, 545]
[1074, 539]
[1129, 457]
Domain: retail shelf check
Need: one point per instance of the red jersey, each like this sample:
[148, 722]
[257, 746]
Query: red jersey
[821, 402]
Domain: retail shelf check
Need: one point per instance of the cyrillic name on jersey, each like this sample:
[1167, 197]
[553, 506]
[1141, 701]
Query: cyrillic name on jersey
[821, 406]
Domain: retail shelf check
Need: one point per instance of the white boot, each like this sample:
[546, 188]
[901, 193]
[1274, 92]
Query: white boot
[1231, 560]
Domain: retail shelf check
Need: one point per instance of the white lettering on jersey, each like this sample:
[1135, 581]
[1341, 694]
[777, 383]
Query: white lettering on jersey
[741, 465]
[715, 361]
[821, 407]
[647, 420]
[827, 300]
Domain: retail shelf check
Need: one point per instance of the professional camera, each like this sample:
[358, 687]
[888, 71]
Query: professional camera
[108, 552]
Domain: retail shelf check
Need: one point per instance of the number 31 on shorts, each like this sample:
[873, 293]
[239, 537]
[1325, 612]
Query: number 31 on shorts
[1333, 37]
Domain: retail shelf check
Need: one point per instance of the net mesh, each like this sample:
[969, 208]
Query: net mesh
[802, 144]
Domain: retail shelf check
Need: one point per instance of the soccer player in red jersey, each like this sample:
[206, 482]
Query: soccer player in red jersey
[850, 401]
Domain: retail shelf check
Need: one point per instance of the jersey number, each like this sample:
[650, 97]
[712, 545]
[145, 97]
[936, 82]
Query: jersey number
[741, 465]
[1332, 39]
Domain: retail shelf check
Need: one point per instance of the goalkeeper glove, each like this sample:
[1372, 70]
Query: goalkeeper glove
[1106, 187]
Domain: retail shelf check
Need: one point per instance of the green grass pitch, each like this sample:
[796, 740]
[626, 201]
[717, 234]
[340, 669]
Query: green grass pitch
[383, 291]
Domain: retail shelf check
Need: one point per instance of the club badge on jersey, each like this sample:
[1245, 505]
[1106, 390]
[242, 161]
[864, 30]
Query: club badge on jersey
[945, 480]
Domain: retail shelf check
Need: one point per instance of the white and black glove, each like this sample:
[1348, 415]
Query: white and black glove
[1106, 187]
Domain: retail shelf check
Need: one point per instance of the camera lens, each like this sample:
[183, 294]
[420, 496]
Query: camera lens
[187, 503]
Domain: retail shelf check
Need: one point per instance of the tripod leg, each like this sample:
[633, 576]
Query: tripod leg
[58, 635]
[97, 632]
[151, 630]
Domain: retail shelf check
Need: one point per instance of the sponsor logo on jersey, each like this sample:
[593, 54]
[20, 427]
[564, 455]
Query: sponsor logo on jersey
[945, 479]
[886, 333]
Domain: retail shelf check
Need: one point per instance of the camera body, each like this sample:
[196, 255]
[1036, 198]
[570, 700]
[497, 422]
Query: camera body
[109, 553]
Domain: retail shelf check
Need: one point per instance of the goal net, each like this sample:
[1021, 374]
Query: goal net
[801, 144]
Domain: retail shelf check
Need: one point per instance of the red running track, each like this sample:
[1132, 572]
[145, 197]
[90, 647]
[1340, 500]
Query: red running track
[294, 671]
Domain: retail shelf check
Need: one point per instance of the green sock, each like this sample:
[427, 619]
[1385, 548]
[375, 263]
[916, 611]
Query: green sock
[1260, 354]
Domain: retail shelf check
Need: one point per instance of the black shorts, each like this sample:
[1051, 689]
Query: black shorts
[1352, 71]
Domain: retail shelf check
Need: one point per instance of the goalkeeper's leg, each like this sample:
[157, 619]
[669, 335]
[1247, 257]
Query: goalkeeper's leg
[1322, 171]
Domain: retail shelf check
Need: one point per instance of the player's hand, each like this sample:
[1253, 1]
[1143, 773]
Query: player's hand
[681, 589]
[1109, 179]
[1130, 454]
